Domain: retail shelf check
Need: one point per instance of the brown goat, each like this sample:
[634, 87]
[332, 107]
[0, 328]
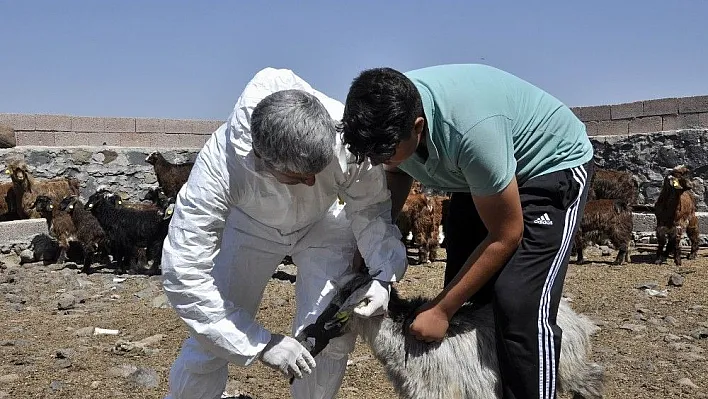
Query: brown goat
[613, 184]
[171, 177]
[421, 216]
[60, 225]
[675, 212]
[7, 202]
[606, 219]
[27, 188]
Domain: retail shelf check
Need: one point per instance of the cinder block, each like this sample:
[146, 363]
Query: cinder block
[178, 126]
[70, 139]
[101, 139]
[35, 138]
[139, 139]
[591, 128]
[54, 123]
[645, 125]
[663, 106]
[205, 127]
[612, 128]
[682, 121]
[647, 222]
[22, 230]
[120, 125]
[192, 140]
[689, 105]
[627, 110]
[88, 124]
[19, 121]
[149, 125]
[595, 113]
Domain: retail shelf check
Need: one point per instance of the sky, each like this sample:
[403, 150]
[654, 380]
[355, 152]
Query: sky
[191, 59]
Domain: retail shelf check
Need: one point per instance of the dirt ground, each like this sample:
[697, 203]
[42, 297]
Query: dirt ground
[653, 346]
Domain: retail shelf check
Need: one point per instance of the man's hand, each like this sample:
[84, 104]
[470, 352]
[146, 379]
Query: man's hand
[376, 299]
[430, 324]
[288, 356]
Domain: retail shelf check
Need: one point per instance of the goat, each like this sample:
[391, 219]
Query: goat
[7, 201]
[613, 184]
[422, 216]
[171, 177]
[606, 219]
[89, 232]
[417, 218]
[464, 364]
[59, 222]
[158, 197]
[27, 188]
[675, 212]
[127, 229]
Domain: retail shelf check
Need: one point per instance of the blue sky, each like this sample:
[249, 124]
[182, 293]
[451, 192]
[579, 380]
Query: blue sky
[191, 59]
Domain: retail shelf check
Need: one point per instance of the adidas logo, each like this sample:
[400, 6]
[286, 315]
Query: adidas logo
[544, 219]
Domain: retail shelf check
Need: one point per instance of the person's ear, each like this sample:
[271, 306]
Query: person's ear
[419, 125]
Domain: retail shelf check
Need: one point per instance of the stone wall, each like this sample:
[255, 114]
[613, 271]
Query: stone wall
[649, 156]
[122, 170]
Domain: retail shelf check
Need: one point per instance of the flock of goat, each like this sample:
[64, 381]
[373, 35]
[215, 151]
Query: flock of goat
[131, 233]
[607, 217]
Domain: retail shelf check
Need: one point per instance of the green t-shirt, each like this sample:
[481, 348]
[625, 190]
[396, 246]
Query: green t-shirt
[486, 126]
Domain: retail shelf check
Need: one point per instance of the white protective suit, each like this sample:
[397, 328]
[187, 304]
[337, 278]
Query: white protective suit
[232, 225]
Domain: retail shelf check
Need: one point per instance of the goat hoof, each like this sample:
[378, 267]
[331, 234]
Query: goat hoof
[691, 256]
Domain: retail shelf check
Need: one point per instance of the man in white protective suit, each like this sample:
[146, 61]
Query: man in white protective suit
[266, 185]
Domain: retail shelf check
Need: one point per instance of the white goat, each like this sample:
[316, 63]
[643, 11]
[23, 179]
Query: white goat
[464, 364]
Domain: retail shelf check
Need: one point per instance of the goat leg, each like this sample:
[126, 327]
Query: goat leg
[660, 243]
[692, 232]
[621, 254]
[676, 245]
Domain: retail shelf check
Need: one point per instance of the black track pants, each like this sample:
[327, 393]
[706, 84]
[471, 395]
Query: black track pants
[527, 291]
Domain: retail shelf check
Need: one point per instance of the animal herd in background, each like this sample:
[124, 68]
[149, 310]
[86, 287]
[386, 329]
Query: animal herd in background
[612, 197]
[131, 233]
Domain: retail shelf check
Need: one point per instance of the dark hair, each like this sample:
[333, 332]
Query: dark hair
[380, 112]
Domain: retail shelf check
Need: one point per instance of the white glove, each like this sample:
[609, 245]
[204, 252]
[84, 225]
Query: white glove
[288, 356]
[375, 299]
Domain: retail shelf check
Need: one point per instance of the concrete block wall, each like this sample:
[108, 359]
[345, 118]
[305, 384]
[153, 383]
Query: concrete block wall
[71, 131]
[664, 114]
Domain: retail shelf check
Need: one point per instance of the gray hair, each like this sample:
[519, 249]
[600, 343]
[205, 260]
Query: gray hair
[293, 132]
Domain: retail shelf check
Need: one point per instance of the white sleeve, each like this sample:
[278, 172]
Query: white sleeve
[368, 206]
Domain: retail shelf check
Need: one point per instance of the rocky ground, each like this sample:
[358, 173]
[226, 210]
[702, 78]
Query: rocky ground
[65, 334]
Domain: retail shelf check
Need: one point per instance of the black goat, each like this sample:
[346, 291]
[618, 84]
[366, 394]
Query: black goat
[127, 229]
[89, 232]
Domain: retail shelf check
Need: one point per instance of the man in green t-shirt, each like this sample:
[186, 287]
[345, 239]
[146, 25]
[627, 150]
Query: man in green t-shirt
[517, 162]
